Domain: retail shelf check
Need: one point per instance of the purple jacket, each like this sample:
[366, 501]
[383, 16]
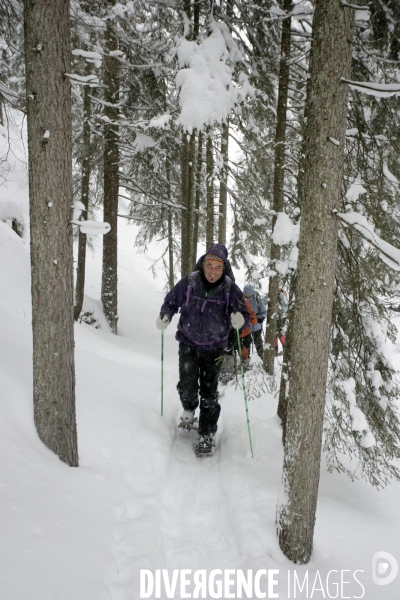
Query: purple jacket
[205, 317]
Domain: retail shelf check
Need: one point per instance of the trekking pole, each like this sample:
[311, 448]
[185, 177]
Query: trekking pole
[162, 373]
[244, 391]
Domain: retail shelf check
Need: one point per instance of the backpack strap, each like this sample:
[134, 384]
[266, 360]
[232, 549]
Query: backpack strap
[191, 283]
[229, 281]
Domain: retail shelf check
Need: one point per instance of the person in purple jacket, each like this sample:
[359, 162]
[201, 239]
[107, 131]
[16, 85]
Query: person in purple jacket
[210, 304]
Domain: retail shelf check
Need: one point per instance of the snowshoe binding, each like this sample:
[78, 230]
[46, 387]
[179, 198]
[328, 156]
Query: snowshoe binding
[188, 420]
[205, 447]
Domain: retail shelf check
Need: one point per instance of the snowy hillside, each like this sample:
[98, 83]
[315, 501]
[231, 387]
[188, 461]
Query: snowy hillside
[140, 498]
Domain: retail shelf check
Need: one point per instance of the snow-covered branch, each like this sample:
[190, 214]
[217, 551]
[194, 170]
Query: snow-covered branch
[360, 223]
[380, 90]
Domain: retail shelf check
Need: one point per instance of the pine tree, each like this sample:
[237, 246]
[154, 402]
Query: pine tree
[278, 201]
[324, 148]
[109, 278]
[47, 57]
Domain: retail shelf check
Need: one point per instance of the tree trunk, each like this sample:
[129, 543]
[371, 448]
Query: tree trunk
[81, 266]
[170, 236]
[184, 202]
[210, 190]
[279, 173]
[190, 203]
[199, 163]
[333, 30]
[286, 363]
[109, 280]
[223, 186]
[47, 59]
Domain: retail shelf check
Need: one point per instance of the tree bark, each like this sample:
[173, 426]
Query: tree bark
[286, 363]
[109, 280]
[81, 265]
[333, 30]
[210, 190]
[197, 197]
[190, 202]
[184, 202]
[47, 59]
[279, 173]
[170, 236]
[223, 186]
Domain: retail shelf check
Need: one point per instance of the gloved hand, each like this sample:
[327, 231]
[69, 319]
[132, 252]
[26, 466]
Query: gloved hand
[162, 322]
[237, 320]
[260, 320]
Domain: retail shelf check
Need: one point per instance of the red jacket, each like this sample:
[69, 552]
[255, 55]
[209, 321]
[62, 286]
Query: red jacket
[253, 319]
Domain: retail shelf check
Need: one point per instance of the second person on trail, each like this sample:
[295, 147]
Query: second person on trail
[259, 308]
[210, 304]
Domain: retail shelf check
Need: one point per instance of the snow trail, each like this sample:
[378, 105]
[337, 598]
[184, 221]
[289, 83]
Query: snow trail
[197, 529]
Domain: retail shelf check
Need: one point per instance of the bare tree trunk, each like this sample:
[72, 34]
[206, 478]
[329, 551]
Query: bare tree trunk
[109, 281]
[280, 136]
[199, 163]
[170, 252]
[210, 190]
[47, 59]
[184, 202]
[190, 203]
[170, 236]
[333, 30]
[223, 186]
[81, 266]
[286, 364]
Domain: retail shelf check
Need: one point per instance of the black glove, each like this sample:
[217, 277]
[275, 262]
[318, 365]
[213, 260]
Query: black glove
[260, 320]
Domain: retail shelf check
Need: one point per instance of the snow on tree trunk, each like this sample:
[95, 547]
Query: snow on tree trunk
[333, 30]
[109, 281]
[47, 59]
[280, 135]
[81, 266]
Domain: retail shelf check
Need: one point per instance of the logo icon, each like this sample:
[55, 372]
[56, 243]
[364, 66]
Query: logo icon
[384, 568]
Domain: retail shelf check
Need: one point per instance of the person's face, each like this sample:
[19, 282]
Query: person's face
[248, 295]
[213, 270]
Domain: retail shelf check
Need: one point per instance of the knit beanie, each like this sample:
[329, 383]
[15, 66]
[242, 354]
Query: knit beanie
[217, 252]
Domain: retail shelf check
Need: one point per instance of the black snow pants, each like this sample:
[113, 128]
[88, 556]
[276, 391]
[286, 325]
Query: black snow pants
[258, 342]
[199, 371]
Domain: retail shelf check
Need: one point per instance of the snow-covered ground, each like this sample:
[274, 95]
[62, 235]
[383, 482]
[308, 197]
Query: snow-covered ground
[140, 499]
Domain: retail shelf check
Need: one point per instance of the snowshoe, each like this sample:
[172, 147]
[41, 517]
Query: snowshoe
[188, 420]
[205, 447]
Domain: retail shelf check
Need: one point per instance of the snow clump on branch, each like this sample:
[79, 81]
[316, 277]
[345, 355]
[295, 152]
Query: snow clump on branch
[208, 93]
